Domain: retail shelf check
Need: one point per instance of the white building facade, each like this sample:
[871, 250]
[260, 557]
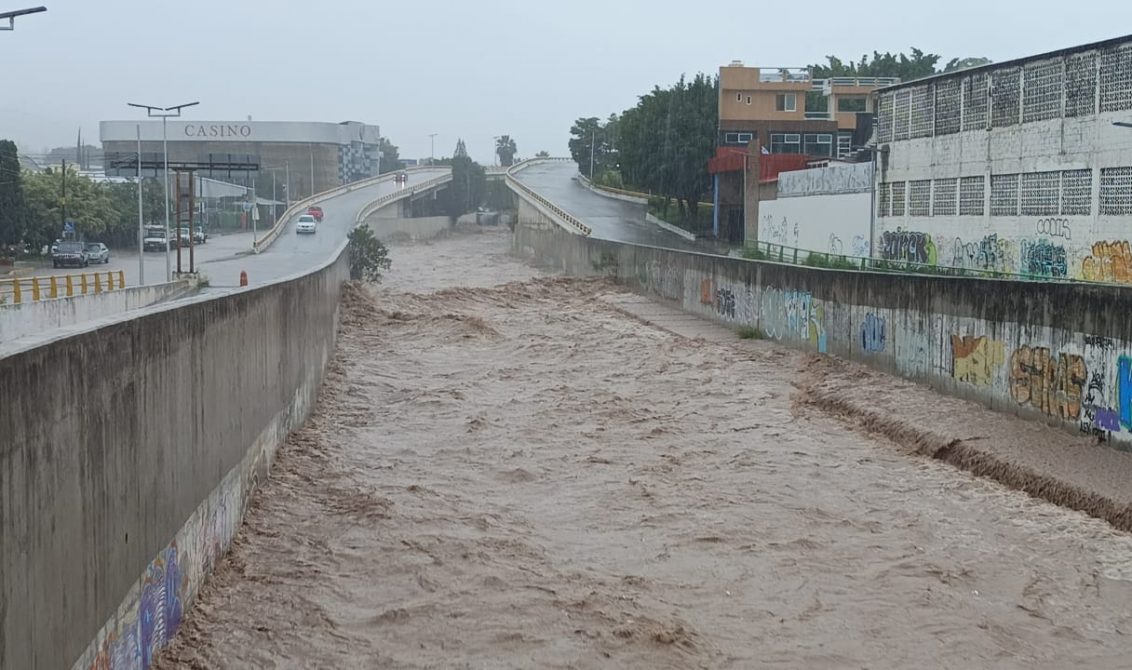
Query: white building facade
[1016, 167]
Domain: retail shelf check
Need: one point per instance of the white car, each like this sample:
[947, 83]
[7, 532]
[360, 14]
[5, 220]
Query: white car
[305, 224]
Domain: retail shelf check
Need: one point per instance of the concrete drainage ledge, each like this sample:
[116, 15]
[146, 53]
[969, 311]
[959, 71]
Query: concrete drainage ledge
[145, 487]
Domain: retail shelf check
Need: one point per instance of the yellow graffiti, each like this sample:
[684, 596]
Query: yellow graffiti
[1050, 385]
[1111, 261]
[975, 359]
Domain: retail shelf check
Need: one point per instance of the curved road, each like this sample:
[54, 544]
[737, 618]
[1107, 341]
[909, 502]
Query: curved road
[610, 219]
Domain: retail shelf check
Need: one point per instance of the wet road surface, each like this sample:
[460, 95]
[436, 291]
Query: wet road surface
[511, 471]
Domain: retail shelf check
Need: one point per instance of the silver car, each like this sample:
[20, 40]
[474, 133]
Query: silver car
[96, 252]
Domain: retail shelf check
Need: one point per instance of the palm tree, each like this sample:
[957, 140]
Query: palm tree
[505, 147]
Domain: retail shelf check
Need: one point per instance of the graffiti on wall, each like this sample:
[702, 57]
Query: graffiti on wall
[975, 360]
[665, 279]
[991, 253]
[1043, 258]
[793, 315]
[1110, 261]
[908, 246]
[1054, 227]
[1053, 385]
[774, 231]
[1097, 416]
[873, 333]
[1124, 390]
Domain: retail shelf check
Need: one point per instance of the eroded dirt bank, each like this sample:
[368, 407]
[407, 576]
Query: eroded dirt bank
[505, 471]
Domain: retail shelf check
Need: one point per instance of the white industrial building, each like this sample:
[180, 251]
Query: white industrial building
[1016, 167]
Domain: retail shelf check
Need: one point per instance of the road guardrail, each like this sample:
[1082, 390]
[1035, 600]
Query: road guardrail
[556, 213]
[25, 289]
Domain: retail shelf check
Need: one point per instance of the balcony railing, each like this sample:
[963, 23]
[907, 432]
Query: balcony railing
[819, 115]
[784, 75]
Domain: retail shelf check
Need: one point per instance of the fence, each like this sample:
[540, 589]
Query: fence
[16, 291]
[567, 220]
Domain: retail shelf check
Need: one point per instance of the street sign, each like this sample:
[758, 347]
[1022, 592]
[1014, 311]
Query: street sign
[247, 206]
[68, 226]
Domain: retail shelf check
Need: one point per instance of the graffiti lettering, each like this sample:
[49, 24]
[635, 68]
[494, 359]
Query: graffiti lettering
[775, 232]
[1051, 386]
[835, 246]
[1055, 228]
[1043, 258]
[793, 315]
[1096, 416]
[989, 253]
[873, 333]
[975, 359]
[1110, 261]
[725, 302]
[1124, 390]
[908, 246]
[860, 246]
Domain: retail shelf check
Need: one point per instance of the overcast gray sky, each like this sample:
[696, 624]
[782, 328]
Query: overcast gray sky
[527, 68]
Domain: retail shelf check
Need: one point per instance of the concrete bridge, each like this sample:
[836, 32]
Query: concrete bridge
[129, 445]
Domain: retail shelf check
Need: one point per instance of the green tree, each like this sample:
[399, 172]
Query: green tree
[590, 137]
[506, 148]
[467, 189]
[915, 65]
[12, 209]
[390, 156]
[88, 204]
[123, 228]
[368, 256]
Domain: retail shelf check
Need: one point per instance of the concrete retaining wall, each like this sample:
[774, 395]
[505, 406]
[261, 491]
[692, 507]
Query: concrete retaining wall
[30, 318]
[127, 451]
[1054, 352]
[418, 228]
[836, 224]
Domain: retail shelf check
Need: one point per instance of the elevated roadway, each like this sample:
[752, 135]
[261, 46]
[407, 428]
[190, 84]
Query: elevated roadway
[608, 218]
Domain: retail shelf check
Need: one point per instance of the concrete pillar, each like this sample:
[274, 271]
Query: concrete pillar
[751, 194]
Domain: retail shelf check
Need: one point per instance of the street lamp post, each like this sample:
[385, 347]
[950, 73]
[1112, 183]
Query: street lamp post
[164, 113]
[11, 16]
[431, 148]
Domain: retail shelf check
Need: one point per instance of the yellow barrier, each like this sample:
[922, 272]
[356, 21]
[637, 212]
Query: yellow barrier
[16, 291]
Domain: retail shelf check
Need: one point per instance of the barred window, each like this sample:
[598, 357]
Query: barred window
[1004, 195]
[922, 111]
[1116, 191]
[1041, 95]
[884, 118]
[883, 199]
[1040, 193]
[920, 197]
[975, 102]
[947, 107]
[1006, 88]
[1077, 192]
[944, 197]
[901, 114]
[1081, 84]
[972, 195]
[898, 198]
[1116, 79]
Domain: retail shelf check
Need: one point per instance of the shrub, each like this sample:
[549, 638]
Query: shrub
[750, 333]
[368, 256]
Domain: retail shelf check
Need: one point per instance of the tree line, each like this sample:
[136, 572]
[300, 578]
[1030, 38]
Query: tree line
[662, 145]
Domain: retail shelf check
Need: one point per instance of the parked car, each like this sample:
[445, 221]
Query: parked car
[200, 235]
[155, 239]
[69, 253]
[306, 224]
[316, 212]
[96, 252]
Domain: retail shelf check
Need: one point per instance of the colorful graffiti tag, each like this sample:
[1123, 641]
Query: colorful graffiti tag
[1043, 258]
[793, 315]
[908, 246]
[1051, 385]
[1097, 417]
[990, 253]
[1110, 261]
[974, 360]
[873, 333]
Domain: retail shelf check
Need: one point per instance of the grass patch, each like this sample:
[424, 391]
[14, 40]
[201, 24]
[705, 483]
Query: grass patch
[750, 333]
[753, 254]
[829, 262]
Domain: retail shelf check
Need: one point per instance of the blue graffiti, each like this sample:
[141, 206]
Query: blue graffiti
[1124, 390]
[873, 333]
[1107, 419]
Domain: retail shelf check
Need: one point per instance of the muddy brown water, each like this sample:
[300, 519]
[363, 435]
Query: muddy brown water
[505, 471]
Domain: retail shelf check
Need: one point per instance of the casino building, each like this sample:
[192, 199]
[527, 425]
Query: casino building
[307, 157]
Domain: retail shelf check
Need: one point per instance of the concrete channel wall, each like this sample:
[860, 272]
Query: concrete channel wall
[1058, 353]
[30, 318]
[127, 452]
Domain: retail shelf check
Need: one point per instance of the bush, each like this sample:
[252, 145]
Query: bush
[750, 333]
[368, 256]
[753, 254]
[818, 260]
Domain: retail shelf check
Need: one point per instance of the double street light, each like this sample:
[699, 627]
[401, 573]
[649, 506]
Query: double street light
[164, 113]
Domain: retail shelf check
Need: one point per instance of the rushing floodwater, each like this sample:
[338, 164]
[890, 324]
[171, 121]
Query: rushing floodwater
[505, 471]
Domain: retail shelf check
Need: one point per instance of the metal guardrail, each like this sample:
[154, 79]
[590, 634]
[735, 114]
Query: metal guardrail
[769, 251]
[562, 217]
[273, 233]
[406, 192]
[24, 289]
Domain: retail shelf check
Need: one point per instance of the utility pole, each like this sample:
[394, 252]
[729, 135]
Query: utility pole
[141, 233]
[431, 148]
[312, 169]
[593, 142]
[64, 196]
[164, 113]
